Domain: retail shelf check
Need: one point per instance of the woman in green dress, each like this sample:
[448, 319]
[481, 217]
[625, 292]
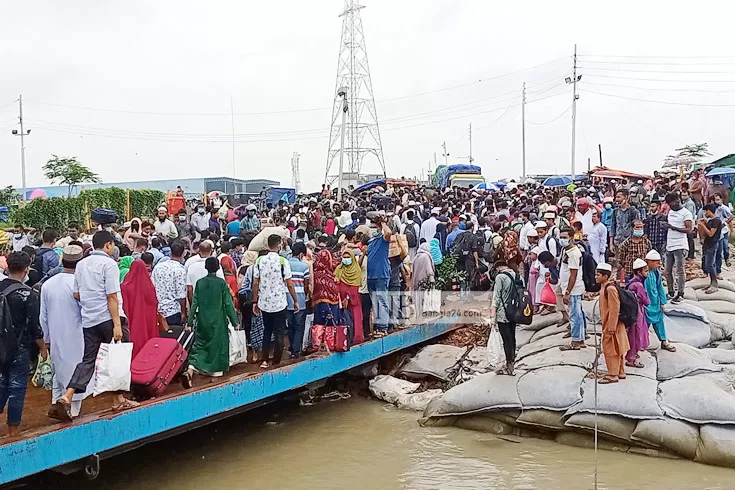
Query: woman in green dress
[211, 307]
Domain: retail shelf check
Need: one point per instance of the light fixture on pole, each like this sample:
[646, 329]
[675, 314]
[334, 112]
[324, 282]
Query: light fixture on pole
[342, 92]
[22, 133]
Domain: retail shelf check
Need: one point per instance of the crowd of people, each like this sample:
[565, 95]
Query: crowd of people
[365, 262]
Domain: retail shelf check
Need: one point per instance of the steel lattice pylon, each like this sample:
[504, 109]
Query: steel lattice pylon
[362, 135]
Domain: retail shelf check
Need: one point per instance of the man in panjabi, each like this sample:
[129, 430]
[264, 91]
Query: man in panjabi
[614, 337]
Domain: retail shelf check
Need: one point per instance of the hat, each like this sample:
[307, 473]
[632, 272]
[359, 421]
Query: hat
[126, 225]
[345, 218]
[411, 203]
[536, 250]
[540, 224]
[604, 267]
[532, 233]
[638, 263]
[164, 208]
[583, 200]
[552, 209]
[436, 211]
[608, 199]
[443, 219]
[653, 255]
[549, 216]
[72, 253]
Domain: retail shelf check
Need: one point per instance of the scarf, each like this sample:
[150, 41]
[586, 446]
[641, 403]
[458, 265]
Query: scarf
[124, 267]
[325, 287]
[140, 305]
[436, 252]
[349, 274]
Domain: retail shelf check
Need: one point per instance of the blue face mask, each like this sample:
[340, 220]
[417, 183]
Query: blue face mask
[564, 242]
[462, 226]
[346, 260]
[373, 232]
[638, 233]
[608, 206]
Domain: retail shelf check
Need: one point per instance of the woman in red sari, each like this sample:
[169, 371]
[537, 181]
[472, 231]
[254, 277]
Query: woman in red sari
[228, 268]
[325, 296]
[140, 305]
[349, 279]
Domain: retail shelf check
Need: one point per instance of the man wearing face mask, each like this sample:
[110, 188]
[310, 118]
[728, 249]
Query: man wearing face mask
[163, 225]
[250, 222]
[200, 220]
[183, 227]
[378, 272]
[622, 220]
[572, 287]
[634, 247]
[72, 234]
[607, 213]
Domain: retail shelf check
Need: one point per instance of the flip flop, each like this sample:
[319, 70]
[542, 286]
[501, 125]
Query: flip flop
[61, 410]
[636, 364]
[607, 381]
[669, 347]
[126, 405]
[570, 347]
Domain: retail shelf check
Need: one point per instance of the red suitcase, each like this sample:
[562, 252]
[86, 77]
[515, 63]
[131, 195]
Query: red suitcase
[157, 363]
[336, 336]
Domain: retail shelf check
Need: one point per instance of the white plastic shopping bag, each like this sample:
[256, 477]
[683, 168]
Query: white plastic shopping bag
[238, 349]
[306, 343]
[432, 301]
[112, 369]
[495, 352]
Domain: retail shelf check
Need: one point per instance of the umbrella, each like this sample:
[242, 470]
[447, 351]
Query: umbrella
[679, 161]
[487, 187]
[558, 181]
[530, 181]
[721, 171]
[37, 194]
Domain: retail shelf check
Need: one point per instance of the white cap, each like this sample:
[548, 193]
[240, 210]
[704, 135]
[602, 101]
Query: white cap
[536, 250]
[608, 199]
[653, 255]
[639, 263]
[532, 233]
[412, 203]
[552, 209]
[540, 224]
[604, 267]
[549, 216]
[436, 211]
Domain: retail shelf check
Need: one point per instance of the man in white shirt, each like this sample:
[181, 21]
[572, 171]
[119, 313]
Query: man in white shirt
[163, 225]
[527, 226]
[597, 238]
[679, 223]
[572, 287]
[271, 282]
[416, 232]
[584, 214]
[428, 227]
[195, 267]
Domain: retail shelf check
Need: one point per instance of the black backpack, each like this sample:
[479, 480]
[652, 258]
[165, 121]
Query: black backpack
[589, 268]
[486, 250]
[518, 305]
[628, 307]
[411, 235]
[8, 337]
[462, 246]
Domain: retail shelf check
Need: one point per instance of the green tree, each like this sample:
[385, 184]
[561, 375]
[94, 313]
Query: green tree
[699, 150]
[8, 196]
[68, 171]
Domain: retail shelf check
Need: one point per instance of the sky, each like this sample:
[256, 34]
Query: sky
[142, 90]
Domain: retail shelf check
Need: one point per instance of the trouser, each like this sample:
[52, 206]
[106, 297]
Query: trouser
[13, 384]
[660, 330]
[723, 252]
[577, 320]
[274, 324]
[379, 298]
[508, 334]
[57, 391]
[246, 317]
[296, 325]
[615, 365]
[675, 258]
[690, 242]
[560, 306]
[367, 306]
[708, 267]
[395, 297]
[94, 337]
[174, 319]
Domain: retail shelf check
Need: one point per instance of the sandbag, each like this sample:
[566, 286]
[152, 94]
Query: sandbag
[703, 283]
[552, 388]
[717, 446]
[649, 369]
[686, 310]
[552, 341]
[542, 321]
[547, 331]
[417, 401]
[591, 310]
[583, 358]
[725, 346]
[690, 331]
[676, 436]
[690, 294]
[483, 392]
[546, 419]
[588, 442]
[481, 423]
[719, 295]
[509, 417]
[610, 426]
[702, 399]
[653, 453]
[389, 388]
[432, 360]
[633, 397]
[714, 306]
[721, 326]
[685, 361]
[260, 242]
[523, 337]
[721, 356]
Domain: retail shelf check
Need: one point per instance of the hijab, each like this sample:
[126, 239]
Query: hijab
[423, 265]
[124, 267]
[140, 305]
[349, 274]
[228, 269]
[435, 250]
[325, 286]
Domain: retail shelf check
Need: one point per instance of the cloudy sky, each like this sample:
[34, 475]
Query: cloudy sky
[141, 90]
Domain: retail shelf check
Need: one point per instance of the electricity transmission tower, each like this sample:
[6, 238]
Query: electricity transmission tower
[295, 173]
[362, 135]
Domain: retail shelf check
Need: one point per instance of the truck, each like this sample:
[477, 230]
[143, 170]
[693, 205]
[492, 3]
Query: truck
[458, 176]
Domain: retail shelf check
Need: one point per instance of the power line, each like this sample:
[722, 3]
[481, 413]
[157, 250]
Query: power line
[713, 91]
[634, 70]
[658, 101]
[551, 120]
[657, 63]
[656, 79]
[495, 121]
[656, 57]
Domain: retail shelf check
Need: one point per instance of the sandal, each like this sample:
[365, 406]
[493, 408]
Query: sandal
[126, 405]
[186, 380]
[61, 410]
[636, 364]
[571, 346]
[668, 347]
[503, 371]
[378, 334]
[264, 365]
[607, 380]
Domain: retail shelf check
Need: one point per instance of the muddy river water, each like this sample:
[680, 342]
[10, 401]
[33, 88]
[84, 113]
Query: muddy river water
[363, 444]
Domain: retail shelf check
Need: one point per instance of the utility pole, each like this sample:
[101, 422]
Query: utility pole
[573, 80]
[435, 165]
[446, 153]
[471, 159]
[599, 149]
[523, 128]
[342, 92]
[232, 112]
[22, 135]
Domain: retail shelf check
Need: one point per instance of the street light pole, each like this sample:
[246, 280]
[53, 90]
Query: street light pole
[22, 135]
[342, 92]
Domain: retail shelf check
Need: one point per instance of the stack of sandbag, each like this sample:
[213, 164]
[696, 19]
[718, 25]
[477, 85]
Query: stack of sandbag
[719, 307]
[436, 361]
[401, 393]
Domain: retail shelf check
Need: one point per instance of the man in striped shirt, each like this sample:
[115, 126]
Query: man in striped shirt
[297, 320]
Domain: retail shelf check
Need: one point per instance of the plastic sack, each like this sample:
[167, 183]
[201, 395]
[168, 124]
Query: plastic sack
[238, 346]
[306, 342]
[390, 389]
[44, 375]
[432, 301]
[548, 296]
[112, 368]
[495, 352]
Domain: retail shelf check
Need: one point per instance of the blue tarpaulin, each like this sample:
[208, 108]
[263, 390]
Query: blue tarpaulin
[275, 194]
[558, 181]
[370, 185]
[444, 173]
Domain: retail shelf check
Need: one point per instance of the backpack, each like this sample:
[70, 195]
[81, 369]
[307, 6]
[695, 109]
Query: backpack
[628, 307]
[549, 236]
[589, 268]
[410, 233]
[38, 261]
[487, 250]
[8, 338]
[518, 305]
[462, 246]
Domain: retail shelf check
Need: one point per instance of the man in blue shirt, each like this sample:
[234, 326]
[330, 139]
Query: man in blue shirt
[297, 320]
[378, 272]
[233, 227]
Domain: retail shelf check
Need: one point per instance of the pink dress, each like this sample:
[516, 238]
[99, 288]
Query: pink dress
[532, 281]
[638, 333]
